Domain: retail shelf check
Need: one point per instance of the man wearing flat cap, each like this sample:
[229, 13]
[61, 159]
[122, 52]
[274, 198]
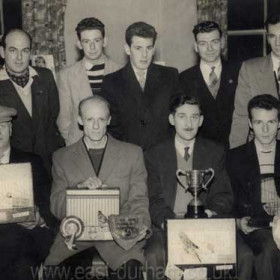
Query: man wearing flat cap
[21, 246]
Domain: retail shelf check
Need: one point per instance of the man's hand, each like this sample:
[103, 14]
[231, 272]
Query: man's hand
[243, 225]
[90, 183]
[38, 221]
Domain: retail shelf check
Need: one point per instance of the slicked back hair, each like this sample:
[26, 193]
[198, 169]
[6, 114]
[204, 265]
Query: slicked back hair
[140, 29]
[264, 101]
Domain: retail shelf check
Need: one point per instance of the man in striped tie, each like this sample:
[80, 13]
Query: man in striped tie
[213, 82]
[84, 78]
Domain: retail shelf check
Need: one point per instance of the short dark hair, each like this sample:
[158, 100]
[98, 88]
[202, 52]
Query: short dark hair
[3, 41]
[264, 101]
[206, 27]
[140, 29]
[180, 100]
[272, 19]
[92, 98]
[90, 24]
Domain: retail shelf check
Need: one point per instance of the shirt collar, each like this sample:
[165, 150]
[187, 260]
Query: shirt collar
[275, 62]
[88, 64]
[6, 156]
[4, 75]
[136, 71]
[206, 69]
[181, 147]
[259, 148]
[90, 147]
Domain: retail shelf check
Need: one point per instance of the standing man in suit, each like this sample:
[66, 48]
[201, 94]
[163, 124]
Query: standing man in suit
[212, 82]
[257, 76]
[254, 170]
[24, 246]
[32, 92]
[140, 92]
[84, 78]
[168, 199]
[97, 158]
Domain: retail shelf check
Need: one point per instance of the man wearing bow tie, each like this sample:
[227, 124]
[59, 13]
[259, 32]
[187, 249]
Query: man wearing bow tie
[213, 82]
[140, 92]
[84, 78]
[32, 92]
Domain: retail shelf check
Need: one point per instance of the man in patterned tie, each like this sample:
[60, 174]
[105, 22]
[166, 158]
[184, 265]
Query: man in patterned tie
[254, 170]
[257, 76]
[84, 78]
[213, 82]
[185, 151]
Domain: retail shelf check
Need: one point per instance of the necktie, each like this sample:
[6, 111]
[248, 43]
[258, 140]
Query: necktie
[213, 79]
[187, 155]
[141, 79]
[278, 74]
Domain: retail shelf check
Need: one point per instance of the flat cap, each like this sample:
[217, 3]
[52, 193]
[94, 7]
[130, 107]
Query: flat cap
[7, 113]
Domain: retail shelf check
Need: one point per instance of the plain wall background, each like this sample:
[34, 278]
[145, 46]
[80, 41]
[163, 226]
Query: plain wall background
[173, 20]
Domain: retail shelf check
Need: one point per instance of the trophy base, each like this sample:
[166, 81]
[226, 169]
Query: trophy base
[195, 212]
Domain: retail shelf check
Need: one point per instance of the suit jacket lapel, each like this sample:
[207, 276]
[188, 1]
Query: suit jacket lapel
[10, 97]
[82, 160]
[266, 78]
[169, 167]
[110, 159]
[81, 80]
[132, 86]
[277, 168]
[38, 100]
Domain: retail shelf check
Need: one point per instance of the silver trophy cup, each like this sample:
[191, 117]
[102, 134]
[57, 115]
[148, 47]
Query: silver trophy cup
[195, 183]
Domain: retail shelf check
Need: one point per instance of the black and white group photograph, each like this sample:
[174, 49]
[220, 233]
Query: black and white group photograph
[139, 139]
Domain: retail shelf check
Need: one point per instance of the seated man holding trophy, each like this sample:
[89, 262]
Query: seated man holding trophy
[254, 171]
[167, 192]
[97, 162]
[27, 226]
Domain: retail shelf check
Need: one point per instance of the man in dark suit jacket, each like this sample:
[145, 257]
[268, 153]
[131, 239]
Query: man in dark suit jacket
[254, 170]
[24, 246]
[33, 92]
[140, 92]
[214, 90]
[167, 197]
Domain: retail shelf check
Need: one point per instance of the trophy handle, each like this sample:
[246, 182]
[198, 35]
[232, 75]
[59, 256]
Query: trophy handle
[209, 170]
[182, 172]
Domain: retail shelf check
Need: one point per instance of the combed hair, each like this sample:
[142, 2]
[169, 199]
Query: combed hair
[90, 24]
[206, 27]
[272, 19]
[180, 100]
[263, 101]
[3, 41]
[140, 29]
[92, 98]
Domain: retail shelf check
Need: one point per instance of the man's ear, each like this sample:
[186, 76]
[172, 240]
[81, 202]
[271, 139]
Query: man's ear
[109, 120]
[79, 45]
[80, 121]
[2, 52]
[105, 42]
[171, 119]
[250, 124]
[201, 119]
[195, 46]
[127, 49]
[223, 42]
